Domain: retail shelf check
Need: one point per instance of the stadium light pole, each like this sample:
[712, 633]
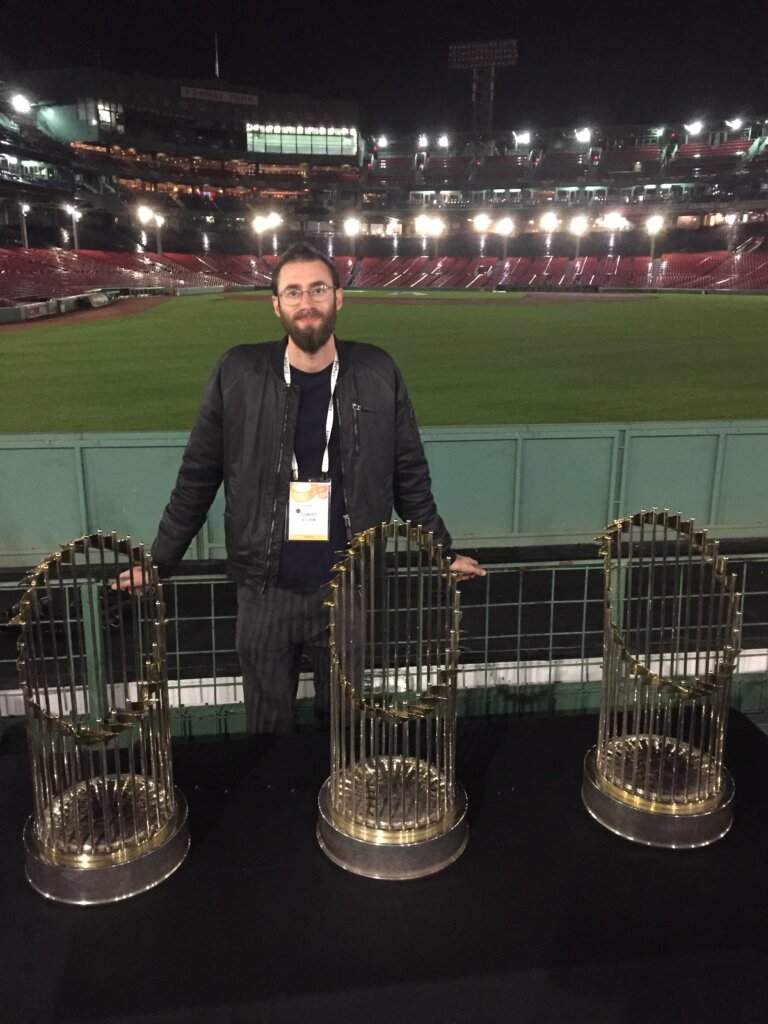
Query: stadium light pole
[352, 230]
[148, 216]
[23, 211]
[75, 214]
[505, 227]
[261, 224]
[578, 227]
[436, 228]
[159, 221]
[653, 226]
[481, 224]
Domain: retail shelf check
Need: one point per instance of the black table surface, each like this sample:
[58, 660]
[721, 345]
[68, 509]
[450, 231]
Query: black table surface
[547, 917]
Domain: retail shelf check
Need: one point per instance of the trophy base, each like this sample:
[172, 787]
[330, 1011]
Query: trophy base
[395, 861]
[656, 828]
[111, 882]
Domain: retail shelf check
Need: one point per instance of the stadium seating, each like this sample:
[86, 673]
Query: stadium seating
[28, 275]
[499, 171]
[644, 160]
[447, 171]
[694, 159]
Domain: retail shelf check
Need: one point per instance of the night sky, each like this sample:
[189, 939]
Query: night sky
[605, 62]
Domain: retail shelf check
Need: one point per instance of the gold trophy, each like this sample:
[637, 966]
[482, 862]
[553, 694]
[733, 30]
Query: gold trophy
[672, 619]
[107, 821]
[392, 807]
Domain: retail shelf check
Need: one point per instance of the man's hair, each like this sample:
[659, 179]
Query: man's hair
[302, 252]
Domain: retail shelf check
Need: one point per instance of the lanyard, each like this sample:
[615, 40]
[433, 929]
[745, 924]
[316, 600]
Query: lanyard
[328, 418]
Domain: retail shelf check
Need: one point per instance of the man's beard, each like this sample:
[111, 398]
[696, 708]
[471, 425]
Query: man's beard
[310, 337]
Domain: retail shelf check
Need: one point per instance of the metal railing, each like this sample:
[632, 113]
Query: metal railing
[531, 642]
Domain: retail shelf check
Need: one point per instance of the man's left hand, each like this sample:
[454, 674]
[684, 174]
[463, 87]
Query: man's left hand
[466, 567]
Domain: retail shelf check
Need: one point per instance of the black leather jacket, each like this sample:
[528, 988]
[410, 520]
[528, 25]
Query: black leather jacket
[243, 436]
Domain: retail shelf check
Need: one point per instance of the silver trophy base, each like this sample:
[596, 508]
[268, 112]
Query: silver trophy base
[654, 828]
[394, 861]
[109, 883]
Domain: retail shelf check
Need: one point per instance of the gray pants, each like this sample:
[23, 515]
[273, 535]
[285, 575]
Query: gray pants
[274, 630]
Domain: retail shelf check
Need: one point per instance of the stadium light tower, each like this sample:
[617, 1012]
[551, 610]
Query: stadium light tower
[75, 214]
[549, 222]
[352, 230]
[148, 216]
[653, 226]
[23, 211]
[261, 224]
[505, 227]
[578, 227]
[482, 59]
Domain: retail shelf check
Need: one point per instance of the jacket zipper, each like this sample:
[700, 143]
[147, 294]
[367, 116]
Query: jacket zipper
[347, 520]
[277, 490]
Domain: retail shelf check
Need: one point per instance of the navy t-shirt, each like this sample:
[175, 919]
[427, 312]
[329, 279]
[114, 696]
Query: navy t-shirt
[306, 564]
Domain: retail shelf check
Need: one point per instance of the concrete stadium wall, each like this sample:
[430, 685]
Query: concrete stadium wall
[495, 486]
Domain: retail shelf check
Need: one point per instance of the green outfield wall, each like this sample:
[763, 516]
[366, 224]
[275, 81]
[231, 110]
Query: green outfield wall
[495, 486]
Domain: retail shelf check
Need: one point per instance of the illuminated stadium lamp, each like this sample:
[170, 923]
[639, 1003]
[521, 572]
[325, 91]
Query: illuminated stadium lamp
[549, 222]
[274, 220]
[382, 142]
[653, 226]
[694, 128]
[579, 226]
[422, 224]
[75, 214]
[482, 222]
[260, 224]
[735, 124]
[144, 214]
[583, 134]
[614, 221]
[658, 131]
[352, 230]
[20, 104]
[443, 142]
[423, 142]
[730, 219]
[505, 227]
[522, 138]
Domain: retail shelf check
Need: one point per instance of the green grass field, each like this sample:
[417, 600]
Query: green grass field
[501, 360]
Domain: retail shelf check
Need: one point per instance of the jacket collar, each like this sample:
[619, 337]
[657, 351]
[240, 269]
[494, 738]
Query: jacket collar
[277, 355]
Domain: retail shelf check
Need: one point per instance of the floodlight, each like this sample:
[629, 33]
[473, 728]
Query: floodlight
[654, 224]
[351, 227]
[443, 142]
[25, 208]
[383, 142]
[505, 226]
[437, 226]
[522, 138]
[482, 222]
[423, 142]
[730, 219]
[549, 221]
[658, 131]
[274, 220]
[159, 220]
[579, 225]
[144, 214]
[694, 128]
[583, 134]
[735, 124]
[422, 223]
[20, 104]
[614, 221]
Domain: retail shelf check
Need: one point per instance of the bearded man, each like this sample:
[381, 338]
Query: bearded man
[315, 439]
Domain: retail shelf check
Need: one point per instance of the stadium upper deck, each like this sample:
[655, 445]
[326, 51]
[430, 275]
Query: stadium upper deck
[208, 156]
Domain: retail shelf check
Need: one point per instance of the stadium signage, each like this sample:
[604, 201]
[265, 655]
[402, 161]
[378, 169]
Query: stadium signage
[242, 99]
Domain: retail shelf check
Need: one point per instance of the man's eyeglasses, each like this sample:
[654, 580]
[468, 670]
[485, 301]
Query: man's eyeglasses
[317, 293]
